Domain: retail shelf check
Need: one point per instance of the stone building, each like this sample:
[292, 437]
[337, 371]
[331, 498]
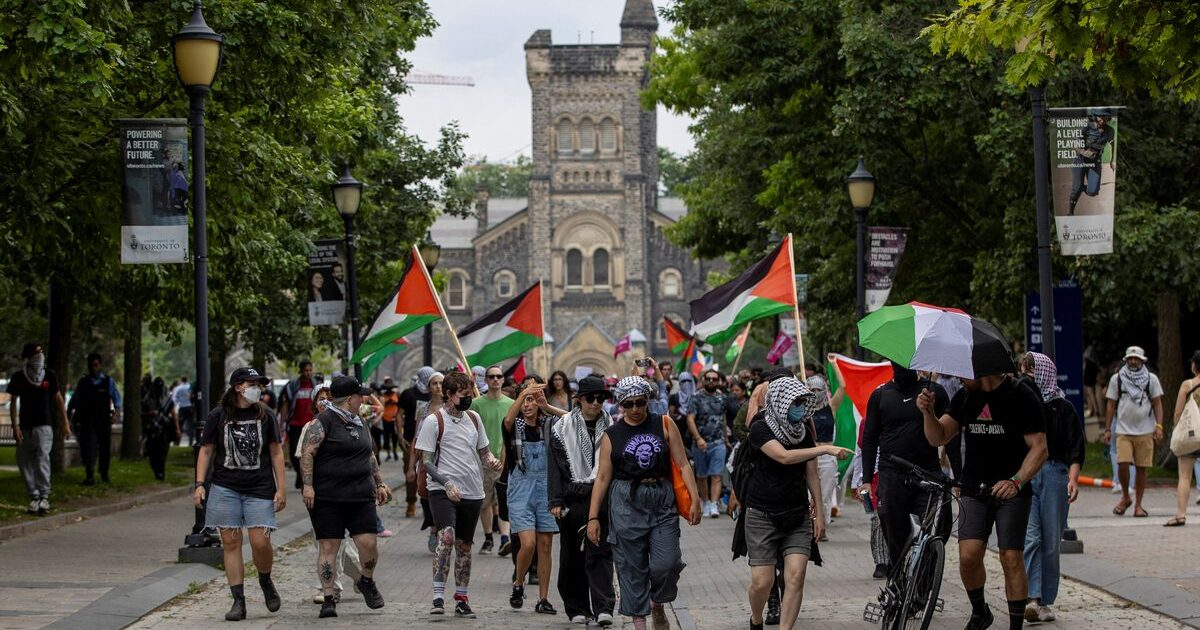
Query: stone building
[591, 227]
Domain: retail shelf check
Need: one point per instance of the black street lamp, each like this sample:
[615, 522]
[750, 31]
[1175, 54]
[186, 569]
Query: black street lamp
[347, 196]
[861, 186]
[431, 252]
[197, 53]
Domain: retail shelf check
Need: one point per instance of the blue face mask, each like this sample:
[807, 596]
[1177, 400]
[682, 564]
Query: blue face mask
[796, 414]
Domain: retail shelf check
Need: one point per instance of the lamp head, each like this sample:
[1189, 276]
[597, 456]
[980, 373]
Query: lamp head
[861, 185]
[347, 194]
[197, 52]
[431, 252]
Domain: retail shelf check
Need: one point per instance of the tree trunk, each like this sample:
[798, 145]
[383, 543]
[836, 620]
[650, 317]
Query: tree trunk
[58, 351]
[1170, 360]
[131, 430]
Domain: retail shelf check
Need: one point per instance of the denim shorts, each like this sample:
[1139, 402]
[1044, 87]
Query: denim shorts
[528, 505]
[711, 462]
[229, 509]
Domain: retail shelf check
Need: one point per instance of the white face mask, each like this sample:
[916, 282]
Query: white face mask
[252, 394]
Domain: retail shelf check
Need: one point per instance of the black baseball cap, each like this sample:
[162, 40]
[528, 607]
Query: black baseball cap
[344, 386]
[243, 374]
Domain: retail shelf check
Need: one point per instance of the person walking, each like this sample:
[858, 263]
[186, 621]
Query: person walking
[296, 410]
[94, 408]
[432, 384]
[36, 400]
[159, 428]
[453, 446]
[1135, 398]
[391, 414]
[706, 423]
[342, 487]
[780, 518]
[824, 426]
[409, 398]
[635, 477]
[585, 570]
[528, 509]
[1190, 388]
[241, 441]
[492, 408]
[1054, 487]
[181, 395]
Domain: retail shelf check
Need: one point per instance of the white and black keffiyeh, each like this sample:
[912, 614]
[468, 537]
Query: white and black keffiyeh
[346, 416]
[572, 431]
[35, 369]
[632, 387]
[518, 439]
[780, 395]
[1134, 381]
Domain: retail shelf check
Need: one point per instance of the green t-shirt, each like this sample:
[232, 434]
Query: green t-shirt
[492, 413]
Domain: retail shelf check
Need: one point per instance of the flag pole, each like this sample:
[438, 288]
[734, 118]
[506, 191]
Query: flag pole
[796, 301]
[442, 310]
[545, 352]
[742, 348]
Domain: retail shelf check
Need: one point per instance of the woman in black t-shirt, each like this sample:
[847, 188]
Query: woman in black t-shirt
[241, 440]
[635, 459]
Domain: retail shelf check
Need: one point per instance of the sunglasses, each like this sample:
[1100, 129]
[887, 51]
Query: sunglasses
[630, 404]
[593, 398]
[712, 380]
[495, 376]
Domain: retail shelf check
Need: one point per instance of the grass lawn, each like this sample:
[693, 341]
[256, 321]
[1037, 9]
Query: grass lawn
[1096, 464]
[66, 495]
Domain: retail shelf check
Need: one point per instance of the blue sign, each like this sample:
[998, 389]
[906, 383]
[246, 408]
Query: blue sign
[1068, 337]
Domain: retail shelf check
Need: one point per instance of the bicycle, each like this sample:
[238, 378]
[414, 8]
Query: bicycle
[910, 597]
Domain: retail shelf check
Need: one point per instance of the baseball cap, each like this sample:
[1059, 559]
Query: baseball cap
[344, 386]
[243, 374]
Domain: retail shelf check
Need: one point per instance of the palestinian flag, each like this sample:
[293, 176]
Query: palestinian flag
[373, 361]
[412, 305]
[735, 348]
[517, 370]
[693, 359]
[505, 332]
[766, 289]
[860, 380]
[677, 337]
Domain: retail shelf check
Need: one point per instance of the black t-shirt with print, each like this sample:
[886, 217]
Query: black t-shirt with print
[36, 400]
[241, 454]
[775, 487]
[996, 446]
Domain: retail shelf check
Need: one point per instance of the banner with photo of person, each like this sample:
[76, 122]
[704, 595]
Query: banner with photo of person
[1083, 158]
[884, 251]
[326, 283]
[154, 190]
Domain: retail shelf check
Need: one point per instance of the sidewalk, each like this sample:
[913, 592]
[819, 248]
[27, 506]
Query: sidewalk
[712, 593]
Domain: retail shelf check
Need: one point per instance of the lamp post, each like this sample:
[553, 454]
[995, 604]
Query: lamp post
[861, 186]
[347, 196]
[197, 53]
[431, 252]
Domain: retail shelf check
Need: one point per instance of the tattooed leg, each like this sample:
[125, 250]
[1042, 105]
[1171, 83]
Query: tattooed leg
[326, 559]
[368, 553]
[462, 566]
[441, 560]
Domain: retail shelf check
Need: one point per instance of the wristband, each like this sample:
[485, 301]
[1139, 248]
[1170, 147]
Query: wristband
[1016, 482]
[594, 518]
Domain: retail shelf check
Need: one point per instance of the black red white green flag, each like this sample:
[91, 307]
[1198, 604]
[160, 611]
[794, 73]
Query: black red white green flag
[766, 289]
[505, 332]
[677, 337]
[413, 304]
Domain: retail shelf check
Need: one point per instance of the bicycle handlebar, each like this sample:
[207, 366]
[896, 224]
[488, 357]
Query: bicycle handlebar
[923, 474]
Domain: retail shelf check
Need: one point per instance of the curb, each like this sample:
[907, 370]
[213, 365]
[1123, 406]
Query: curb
[47, 523]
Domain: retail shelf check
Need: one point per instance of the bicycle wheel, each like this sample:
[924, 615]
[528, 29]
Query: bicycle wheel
[924, 586]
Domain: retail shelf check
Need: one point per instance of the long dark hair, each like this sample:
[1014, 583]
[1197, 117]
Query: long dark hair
[229, 405]
[551, 390]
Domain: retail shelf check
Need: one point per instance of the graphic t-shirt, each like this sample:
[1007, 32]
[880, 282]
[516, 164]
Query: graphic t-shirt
[492, 413]
[242, 455]
[640, 452]
[995, 446]
[710, 415]
[302, 411]
[34, 400]
[776, 487]
[458, 460]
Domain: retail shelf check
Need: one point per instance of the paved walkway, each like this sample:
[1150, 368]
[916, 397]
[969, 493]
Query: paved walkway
[713, 588]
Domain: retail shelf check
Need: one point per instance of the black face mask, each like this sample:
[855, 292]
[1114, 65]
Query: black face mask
[906, 380]
[464, 403]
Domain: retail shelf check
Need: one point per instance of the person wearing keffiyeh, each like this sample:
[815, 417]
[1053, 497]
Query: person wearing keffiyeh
[585, 570]
[1135, 399]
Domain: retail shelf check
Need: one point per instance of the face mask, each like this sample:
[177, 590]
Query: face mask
[796, 414]
[905, 379]
[251, 394]
[464, 403]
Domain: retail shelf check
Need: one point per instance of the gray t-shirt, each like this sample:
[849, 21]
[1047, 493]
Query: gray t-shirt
[1134, 418]
[459, 458]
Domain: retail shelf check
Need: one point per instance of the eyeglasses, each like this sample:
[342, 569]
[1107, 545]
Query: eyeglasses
[592, 398]
[630, 404]
[495, 376]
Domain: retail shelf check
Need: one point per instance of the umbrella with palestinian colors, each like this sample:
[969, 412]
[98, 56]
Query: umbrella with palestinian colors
[938, 339]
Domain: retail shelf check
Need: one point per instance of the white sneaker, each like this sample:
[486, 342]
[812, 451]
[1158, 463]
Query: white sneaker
[1045, 614]
[33, 506]
[604, 620]
[579, 619]
[1116, 488]
[44, 505]
[716, 510]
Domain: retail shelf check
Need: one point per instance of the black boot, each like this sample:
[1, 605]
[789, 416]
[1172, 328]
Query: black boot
[270, 594]
[328, 608]
[237, 612]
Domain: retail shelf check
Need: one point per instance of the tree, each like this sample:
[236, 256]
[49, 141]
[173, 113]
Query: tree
[501, 179]
[672, 173]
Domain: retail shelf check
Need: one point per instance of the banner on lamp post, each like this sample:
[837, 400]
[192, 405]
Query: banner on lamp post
[154, 190]
[326, 283]
[1083, 156]
[886, 247]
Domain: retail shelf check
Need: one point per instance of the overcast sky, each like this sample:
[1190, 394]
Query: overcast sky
[484, 39]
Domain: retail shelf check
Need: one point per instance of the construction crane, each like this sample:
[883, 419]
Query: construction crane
[418, 77]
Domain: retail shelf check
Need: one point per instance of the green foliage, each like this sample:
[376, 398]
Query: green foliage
[672, 172]
[1136, 44]
[501, 179]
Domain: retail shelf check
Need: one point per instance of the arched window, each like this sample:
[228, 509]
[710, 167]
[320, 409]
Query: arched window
[670, 283]
[505, 283]
[566, 140]
[600, 268]
[456, 291]
[574, 268]
[587, 136]
[608, 136]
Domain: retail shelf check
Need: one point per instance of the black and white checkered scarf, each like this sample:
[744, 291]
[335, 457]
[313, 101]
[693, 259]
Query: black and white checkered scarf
[780, 395]
[572, 431]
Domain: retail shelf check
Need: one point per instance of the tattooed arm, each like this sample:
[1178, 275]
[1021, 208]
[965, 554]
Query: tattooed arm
[312, 442]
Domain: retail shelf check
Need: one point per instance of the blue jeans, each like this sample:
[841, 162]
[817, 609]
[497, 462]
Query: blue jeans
[1043, 535]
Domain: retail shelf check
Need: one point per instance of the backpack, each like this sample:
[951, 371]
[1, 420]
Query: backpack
[1185, 437]
[422, 482]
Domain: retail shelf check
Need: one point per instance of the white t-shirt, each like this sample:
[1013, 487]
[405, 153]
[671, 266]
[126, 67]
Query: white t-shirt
[1134, 418]
[459, 458]
[182, 396]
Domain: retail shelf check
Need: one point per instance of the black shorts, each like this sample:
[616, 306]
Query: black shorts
[977, 516]
[332, 519]
[502, 497]
[462, 516]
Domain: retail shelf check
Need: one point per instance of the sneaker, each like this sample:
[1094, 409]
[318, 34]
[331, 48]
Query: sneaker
[505, 547]
[43, 506]
[438, 608]
[463, 609]
[980, 622]
[1044, 613]
[544, 607]
[270, 594]
[772, 616]
[387, 533]
[880, 571]
[517, 599]
[33, 507]
[328, 608]
[579, 619]
[604, 619]
[716, 511]
[658, 616]
[237, 612]
[1116, 489]
[370, 592]
[486, 547]
[756, 626]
